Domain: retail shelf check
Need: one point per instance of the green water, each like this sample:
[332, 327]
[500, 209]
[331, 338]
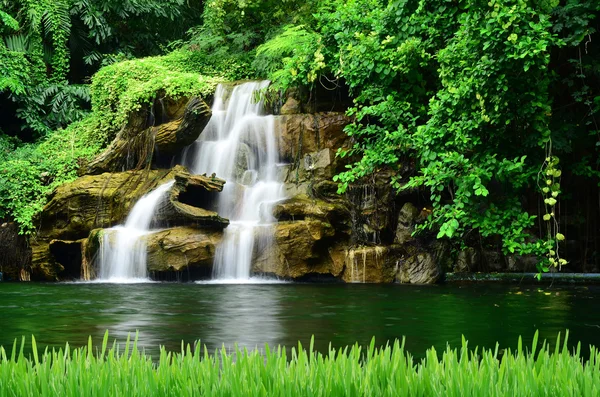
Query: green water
[251, 315]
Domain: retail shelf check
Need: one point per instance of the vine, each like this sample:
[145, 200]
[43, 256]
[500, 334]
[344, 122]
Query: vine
[551, 189]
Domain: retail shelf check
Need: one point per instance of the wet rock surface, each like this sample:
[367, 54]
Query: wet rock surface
[363, 235]
[136, 145]
[177, 249]
[422, 266]
[101, 201]
[309, 133]
[15, 253]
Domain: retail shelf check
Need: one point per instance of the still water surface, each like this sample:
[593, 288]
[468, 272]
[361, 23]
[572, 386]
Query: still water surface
[283, 314]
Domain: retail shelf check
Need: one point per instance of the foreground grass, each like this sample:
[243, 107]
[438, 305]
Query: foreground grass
[386, 371]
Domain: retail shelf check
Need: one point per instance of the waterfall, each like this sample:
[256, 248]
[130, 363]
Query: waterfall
[122, 254]
[240, 146]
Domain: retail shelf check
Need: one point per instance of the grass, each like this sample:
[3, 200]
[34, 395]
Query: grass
[352, 371]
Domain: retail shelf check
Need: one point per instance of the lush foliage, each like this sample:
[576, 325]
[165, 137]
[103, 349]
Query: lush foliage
[46, 45]
[32, 171]
[463, 92]
[386, 371]
[39, 42]
[122, 88]
[488, 108]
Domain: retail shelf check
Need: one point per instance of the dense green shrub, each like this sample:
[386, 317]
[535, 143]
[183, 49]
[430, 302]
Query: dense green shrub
[462, 91]
[30, 172]
[46, 45]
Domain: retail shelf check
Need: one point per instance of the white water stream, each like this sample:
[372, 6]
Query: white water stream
[122, 254]
[239, 145]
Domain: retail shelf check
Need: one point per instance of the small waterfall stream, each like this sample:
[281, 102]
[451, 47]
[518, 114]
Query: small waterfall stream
[122, 254]
[239, 145]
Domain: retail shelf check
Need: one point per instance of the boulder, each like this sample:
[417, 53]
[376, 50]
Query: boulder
[291, 106]
[468, 260]
[297, 249]
[168, 250]
[301, 134]
[372, 211]
[188, 199]
[370, 264]
[101, 201]
[134, 146]
[406, 220]
[180, 248]
[173, 136]
[15, 254]
[327, 190]
[95, 201]
[302, 207]
[316, 166]
[422, 265]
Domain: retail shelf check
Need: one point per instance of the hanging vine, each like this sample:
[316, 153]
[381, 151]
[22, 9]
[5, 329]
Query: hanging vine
[549, 185]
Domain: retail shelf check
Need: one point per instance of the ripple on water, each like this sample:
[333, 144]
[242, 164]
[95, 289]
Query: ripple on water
[234, 281]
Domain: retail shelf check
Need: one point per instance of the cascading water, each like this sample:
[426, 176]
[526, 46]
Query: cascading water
[122, 254]
[240, 146]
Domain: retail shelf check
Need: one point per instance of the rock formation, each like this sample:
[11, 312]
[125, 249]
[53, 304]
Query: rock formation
[136, 145]
[363, 235]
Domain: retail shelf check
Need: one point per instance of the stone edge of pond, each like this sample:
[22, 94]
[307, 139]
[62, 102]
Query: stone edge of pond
[563, 278]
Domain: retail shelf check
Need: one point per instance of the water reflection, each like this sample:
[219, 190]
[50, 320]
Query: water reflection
[132, 312]
[251, 315]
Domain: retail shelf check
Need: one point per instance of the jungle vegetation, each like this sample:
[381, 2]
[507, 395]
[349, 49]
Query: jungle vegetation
[490, 108]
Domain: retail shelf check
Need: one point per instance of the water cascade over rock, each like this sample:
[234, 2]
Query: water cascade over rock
[240, 146]
[275, 212]
[122, 254]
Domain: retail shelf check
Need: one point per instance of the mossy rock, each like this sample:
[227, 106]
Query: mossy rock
[137, 143]
[102, 201]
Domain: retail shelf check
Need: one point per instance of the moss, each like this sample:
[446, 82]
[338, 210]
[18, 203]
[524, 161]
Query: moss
[123, 88]
[31, 172]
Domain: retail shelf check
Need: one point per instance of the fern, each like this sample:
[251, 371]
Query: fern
[270, 55]
[8, 21]
[54, 106]
[17, 43]
[292, 58]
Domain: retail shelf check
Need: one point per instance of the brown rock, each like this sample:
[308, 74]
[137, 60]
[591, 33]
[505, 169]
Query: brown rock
[291, 106]
[134, 147]
[43, 264]
[15, 253]
[422, 266]
[95, 201]
[187, 201]
[406, 220]
[468, 260]
[178, 248]
[301, 134]
[302, 207]
[183, 131]
[100, 201]
[373, 213]
[297, 249]
[370, 264]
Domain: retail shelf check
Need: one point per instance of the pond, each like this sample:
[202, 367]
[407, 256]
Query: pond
[283, 314]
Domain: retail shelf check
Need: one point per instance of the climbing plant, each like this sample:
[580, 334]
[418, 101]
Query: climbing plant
[462, 92]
